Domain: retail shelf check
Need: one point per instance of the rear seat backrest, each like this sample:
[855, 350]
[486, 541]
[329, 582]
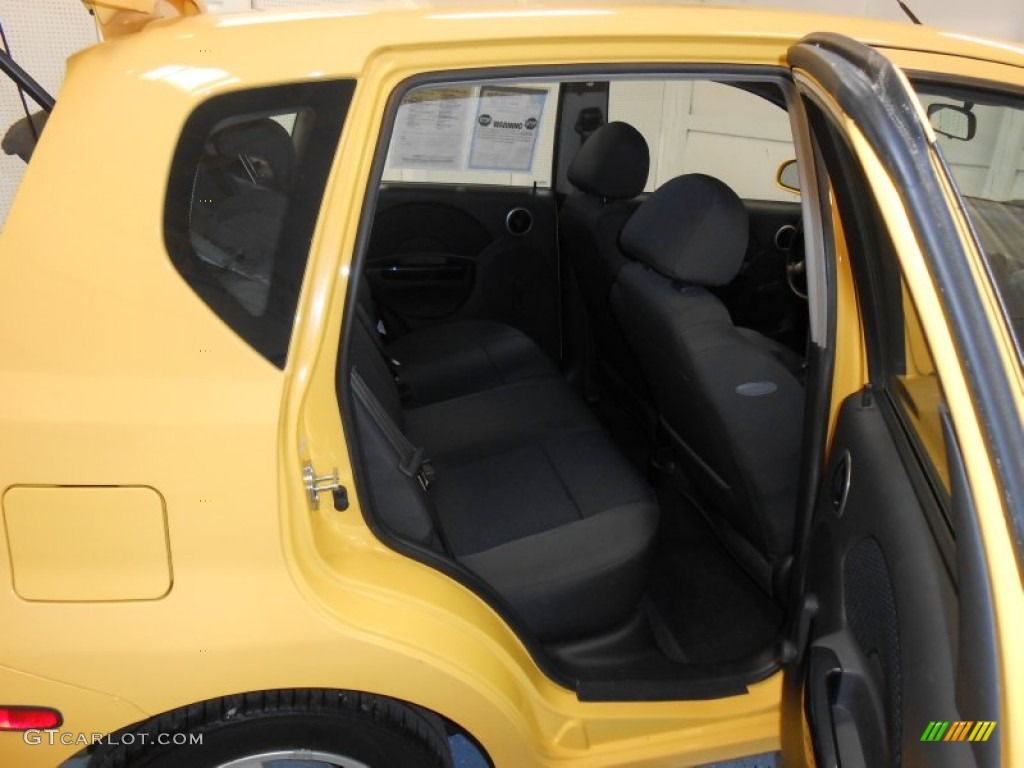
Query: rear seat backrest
[401, 503]
[368, 359]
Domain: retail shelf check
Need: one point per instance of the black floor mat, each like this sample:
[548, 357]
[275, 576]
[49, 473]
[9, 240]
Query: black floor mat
[712, 610]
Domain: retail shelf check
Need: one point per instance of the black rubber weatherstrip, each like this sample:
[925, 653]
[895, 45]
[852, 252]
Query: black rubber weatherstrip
[874, 97]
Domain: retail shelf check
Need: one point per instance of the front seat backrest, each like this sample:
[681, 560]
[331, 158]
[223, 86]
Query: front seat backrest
[610, 170]
[732, 408]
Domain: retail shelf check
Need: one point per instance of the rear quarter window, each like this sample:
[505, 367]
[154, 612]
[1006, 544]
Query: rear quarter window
[244, 192]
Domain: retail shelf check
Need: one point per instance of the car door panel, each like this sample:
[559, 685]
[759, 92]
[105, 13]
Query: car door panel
[443, 253]
[898, 633]
[887, 605]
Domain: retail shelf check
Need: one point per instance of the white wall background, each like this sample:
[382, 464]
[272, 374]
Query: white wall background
[43, 33]
[696, 126]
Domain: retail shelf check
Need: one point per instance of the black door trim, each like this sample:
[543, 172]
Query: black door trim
[877, 102]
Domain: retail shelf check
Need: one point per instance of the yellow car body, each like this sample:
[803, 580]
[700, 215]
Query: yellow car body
[140, 433]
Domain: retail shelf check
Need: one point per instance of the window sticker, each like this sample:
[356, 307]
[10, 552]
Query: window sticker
[506, 128]
[431, 128]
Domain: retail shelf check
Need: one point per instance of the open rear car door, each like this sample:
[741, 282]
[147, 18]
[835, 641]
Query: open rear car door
[898, 653]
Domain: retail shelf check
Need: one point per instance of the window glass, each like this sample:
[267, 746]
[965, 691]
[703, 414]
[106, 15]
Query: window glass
[916, 385]
[981, 137]
[497, 134]
[900, 360]
[243, 198]
[700, 126]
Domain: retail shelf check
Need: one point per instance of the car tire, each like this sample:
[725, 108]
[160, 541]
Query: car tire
[317, 727]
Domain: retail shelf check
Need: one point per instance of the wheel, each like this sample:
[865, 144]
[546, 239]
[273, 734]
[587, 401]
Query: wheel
[306, 728]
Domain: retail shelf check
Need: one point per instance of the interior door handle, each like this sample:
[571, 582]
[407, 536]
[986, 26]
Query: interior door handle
[841, 478]
[823, 672]
[845, 708]
[419, 267]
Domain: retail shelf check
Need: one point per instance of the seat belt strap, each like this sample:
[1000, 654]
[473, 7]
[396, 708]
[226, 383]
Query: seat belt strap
[412, 460]
[394, 366]
[367, 321]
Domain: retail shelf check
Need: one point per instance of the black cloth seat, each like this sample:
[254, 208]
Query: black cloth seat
[527, 492]
[497, 419]
[561, 527]
[446, 361]
[792, 362]
[731, 407]
[610, 170]
[440, 362]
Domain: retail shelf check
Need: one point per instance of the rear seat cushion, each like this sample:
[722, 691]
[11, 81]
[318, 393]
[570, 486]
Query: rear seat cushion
[528, 492]
[560, 527]
[576, 579]
[555, 481]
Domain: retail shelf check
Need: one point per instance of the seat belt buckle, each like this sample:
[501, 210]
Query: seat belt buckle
[404, 391]
[418, 466]
[425, 474]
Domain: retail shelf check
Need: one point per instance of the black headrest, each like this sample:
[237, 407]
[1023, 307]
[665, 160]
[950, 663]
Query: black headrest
[260, 139]
[692, 229]
[613, 163]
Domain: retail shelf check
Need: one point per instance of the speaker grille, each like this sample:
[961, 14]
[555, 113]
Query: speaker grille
[519, 221]
[871, 616]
